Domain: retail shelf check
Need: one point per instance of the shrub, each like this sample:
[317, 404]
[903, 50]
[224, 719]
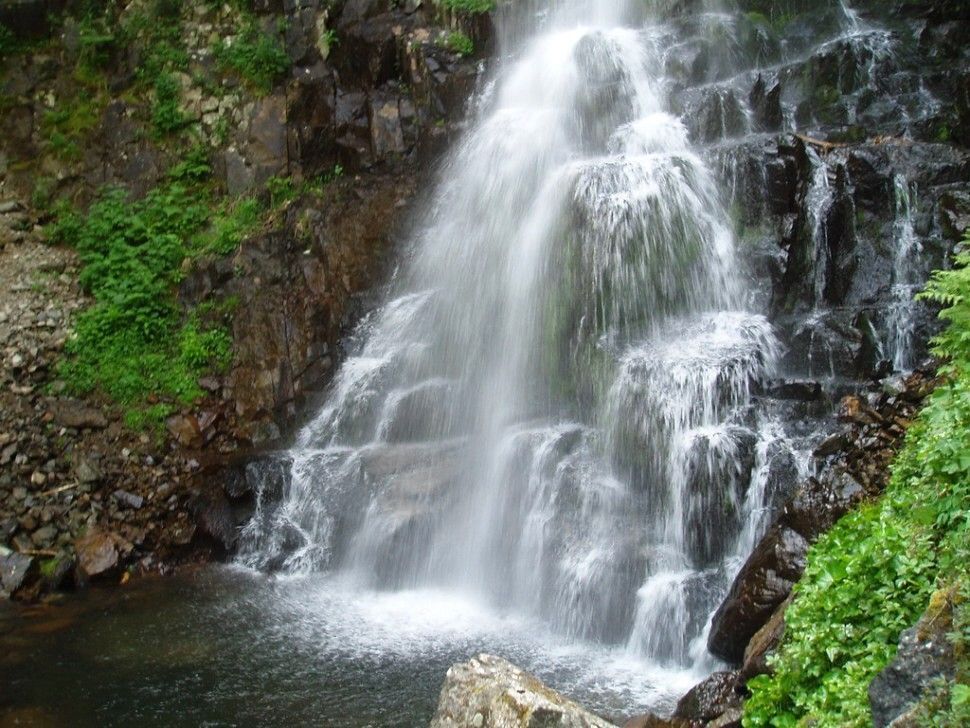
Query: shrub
[255, 56]
[167, 114]
[458, 42]
[132, 343]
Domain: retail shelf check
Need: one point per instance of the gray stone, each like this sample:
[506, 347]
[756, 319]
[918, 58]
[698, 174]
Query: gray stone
[14, 569]
[129, 499]
[925, 655]
[86, 468]
[489, 692]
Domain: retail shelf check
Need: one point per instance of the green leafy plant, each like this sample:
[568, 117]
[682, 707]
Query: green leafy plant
[167, 114]
[458, 42]
[67, 126]
[254, 55]
[132, 343]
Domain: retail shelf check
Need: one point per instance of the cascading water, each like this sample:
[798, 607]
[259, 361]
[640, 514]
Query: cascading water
[908, 275]
[553, 410]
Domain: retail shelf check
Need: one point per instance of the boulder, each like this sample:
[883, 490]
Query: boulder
[925, 655]
[98, 553]
[711, 698]
[214, 516]
[730, 718]
[764, 582]
[14, 569]
[489, 692]
[819, 503]
[764, 642]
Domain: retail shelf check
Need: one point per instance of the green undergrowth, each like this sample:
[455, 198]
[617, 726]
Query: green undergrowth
[254, 55]
[871, 576]
[458, 42]
[135, 343]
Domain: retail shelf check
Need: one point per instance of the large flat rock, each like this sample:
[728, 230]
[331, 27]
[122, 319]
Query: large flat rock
[489, 692]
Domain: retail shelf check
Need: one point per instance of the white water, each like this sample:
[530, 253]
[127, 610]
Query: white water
[908, 277]
[552, 413]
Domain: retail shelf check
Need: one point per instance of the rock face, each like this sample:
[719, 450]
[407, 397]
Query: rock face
[925, 654]
[854, 464]
[489, 692]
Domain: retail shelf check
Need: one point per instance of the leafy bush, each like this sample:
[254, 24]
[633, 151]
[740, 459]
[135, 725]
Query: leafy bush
[870, 576]
[132, 343]
[458, 42]
[167, 114]
[255, 56]
[67, 126]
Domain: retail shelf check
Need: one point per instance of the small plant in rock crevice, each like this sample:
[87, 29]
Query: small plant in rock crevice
[257, 57]
[458, 42]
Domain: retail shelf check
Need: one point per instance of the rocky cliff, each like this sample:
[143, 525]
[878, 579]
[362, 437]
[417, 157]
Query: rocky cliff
[344, 105]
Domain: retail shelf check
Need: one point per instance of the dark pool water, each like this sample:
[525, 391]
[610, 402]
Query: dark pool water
[226, 647]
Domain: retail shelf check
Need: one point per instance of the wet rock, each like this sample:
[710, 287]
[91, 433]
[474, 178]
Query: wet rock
[804, 390]
[819, 503]
[925, 655]
[854, 409]
[764, 642]
[834, 443]
[763, 583]
[55, 572]
[77, 414]
[8, 527]
[766, 105]
[98, 553]
[213, 515]
[710, 698]
[489, 692]
[14, 569]
[43, 536]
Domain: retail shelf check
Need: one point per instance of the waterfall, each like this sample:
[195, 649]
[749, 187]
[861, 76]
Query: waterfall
[553, 409]
[907, 277]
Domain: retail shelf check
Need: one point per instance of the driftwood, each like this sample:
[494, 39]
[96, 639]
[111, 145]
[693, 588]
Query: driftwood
[826, 147]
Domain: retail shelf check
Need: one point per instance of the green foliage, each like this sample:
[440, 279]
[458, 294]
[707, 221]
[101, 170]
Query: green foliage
[254, 55]
[132, 343]
[96, 40]
[234, 222]
[870, 576]
[458, 42]
[167, 114]
[67, 126]
[471, 7]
